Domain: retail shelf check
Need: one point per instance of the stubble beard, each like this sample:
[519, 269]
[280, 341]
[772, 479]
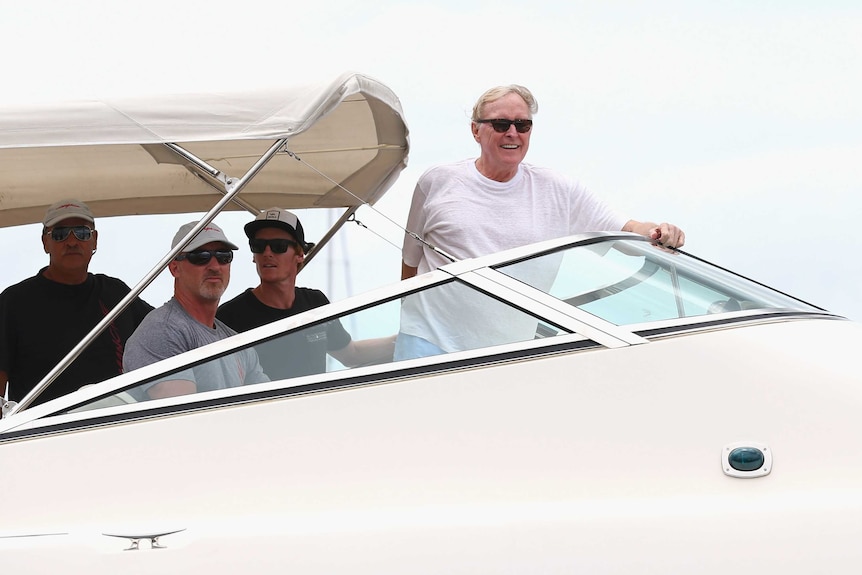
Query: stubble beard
[212, 292]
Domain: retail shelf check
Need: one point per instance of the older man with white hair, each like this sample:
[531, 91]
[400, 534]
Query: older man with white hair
[482, 205]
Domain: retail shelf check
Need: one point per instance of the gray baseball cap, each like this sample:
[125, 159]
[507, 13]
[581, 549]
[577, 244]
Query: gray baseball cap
[210, 233]
[67, 209]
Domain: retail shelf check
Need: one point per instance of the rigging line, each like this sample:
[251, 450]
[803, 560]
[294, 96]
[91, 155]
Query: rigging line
[412, 234]
[353, 219]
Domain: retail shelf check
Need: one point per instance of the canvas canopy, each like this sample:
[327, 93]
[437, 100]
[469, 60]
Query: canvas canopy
[117, 154]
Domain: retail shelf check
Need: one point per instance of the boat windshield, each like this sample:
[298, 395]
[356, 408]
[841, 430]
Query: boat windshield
[628, 282]
[323, 347]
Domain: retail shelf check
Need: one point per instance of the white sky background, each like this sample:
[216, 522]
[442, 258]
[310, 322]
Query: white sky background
[741, 121]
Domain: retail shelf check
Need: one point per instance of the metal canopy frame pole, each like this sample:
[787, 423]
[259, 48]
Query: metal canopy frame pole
[232, 188]
[331, 232]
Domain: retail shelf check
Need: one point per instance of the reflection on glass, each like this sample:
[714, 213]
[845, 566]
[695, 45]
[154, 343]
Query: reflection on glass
[628, 282]
[474, 320]
[455, 317]
[329, 345]
[302, 352]
[232, 370]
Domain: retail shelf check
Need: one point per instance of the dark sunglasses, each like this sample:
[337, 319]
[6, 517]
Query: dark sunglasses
[83, 233]
[203, 257]
[501, 125]
[278, 246]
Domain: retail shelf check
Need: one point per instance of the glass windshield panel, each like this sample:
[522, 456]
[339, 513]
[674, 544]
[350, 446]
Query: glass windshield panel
[367, 337]
[628, 282]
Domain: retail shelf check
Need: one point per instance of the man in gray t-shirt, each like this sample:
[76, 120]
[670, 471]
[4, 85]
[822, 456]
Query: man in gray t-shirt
[187, 321]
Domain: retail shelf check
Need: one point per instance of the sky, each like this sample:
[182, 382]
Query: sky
[739, 121]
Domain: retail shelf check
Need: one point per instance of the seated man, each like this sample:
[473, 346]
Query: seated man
[44, 317]
[187, 321]
[277, 240]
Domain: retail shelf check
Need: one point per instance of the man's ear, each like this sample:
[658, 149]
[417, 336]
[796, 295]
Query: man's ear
[172, 266]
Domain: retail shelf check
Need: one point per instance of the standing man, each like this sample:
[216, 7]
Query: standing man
[188, 321]
[277, 242]
[497, 201]
[43, 317]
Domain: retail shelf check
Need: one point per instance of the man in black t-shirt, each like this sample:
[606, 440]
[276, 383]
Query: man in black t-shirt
[43, 317]
[277, 242]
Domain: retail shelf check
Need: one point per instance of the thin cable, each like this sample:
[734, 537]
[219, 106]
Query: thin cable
[353, 219]
[413, 235]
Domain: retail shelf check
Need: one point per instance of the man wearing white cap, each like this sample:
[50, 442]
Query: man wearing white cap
[43, 317]
[278, 245]
[188, 321]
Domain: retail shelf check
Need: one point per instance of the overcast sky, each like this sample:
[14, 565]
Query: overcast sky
[740, 121]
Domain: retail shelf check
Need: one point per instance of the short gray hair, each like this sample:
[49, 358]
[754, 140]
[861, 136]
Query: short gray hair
[498, 92]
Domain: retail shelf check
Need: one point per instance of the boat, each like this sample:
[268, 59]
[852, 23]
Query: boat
[620, 408]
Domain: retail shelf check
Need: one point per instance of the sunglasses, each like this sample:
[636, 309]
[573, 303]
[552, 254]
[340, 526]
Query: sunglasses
[501, 125]
[278, 246]
[203, 257]
[83, 233]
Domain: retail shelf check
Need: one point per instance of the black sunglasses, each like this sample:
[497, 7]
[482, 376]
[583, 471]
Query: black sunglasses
[83, 233]
[278, 246]
[501, 125]
[203, 257]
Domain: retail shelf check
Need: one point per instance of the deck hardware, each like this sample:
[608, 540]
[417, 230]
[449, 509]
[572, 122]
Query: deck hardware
[135, 540]
[746, 459]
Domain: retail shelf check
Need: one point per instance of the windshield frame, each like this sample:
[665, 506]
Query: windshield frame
[589, 332]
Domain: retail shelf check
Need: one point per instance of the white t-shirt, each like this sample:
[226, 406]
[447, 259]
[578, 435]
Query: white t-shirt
[467, 215]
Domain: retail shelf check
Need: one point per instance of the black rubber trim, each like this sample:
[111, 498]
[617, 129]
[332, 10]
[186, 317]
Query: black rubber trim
[647, 333]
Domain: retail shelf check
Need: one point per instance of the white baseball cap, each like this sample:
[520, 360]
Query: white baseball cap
[210, 233]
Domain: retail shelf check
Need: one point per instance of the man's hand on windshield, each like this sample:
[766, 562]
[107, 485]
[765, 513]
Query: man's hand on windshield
[667, 235]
